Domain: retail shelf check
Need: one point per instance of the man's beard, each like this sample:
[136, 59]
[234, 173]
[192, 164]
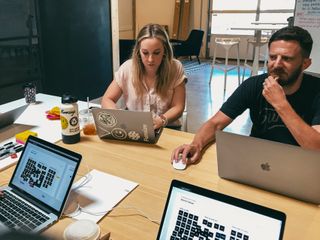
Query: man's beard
[292, 78]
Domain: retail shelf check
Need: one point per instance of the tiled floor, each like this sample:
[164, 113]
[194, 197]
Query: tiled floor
[204, 100]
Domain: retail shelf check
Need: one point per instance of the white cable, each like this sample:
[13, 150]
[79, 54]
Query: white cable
[79, 209]
[140, 213]
[86, 179]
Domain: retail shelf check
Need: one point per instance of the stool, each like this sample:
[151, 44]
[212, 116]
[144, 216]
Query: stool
[255, 44]
[227, 44]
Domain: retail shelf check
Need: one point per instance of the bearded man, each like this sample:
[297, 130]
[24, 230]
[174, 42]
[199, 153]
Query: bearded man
[284, 104]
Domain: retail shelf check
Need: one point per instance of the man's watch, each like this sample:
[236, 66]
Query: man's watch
[164, 120]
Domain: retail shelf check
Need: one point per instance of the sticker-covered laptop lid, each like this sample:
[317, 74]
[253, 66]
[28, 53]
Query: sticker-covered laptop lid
[125, 125]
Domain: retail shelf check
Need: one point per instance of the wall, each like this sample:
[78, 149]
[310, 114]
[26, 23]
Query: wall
[154, 11]
[19, 59]
[162, 12]
[126, 23]
[115, 33]
[307, 16]
[17, 10]
[76, 40]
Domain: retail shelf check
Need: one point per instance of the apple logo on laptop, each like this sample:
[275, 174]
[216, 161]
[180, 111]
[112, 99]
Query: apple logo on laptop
[265, 166]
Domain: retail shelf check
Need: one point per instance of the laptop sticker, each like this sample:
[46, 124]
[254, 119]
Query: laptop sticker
[107, 119]
[119, 133]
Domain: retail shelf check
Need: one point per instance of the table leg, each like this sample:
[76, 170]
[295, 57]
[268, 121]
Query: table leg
[255, 64]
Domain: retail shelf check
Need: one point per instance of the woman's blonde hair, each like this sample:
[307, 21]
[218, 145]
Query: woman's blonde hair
[163, 74]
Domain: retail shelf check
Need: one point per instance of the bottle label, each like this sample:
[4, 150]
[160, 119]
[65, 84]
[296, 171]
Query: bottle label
[69, 122]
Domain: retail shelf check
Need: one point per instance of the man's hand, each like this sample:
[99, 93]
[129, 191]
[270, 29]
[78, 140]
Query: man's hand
[190, 151]
[273, 92]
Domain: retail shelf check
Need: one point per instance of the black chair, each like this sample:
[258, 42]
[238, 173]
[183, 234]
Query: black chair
[190, 47]
[125, 49]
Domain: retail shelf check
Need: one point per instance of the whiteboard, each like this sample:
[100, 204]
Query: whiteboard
[307, 16]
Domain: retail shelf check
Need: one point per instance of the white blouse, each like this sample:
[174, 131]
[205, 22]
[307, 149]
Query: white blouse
[150, 101]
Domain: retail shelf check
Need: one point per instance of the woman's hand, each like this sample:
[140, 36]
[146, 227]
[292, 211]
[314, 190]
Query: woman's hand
[157, 122]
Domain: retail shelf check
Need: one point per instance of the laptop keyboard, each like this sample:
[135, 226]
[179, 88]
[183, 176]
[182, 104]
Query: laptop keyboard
[192, 227]
[10, 148]
[14, 213]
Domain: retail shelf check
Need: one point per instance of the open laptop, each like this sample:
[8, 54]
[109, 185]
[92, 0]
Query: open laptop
[192, 212]
[9, 117]
[125, 125]
[277, 167]
[39, 186]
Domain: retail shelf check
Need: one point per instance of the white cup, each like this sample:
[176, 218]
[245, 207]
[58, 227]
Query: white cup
[82, 229]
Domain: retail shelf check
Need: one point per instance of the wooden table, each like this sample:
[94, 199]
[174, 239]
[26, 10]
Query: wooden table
[149, 166]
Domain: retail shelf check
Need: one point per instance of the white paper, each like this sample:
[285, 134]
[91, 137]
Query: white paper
[35, 115]
[97, 193]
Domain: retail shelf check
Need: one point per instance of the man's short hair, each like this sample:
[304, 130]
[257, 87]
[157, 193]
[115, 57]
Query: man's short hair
[294, 33]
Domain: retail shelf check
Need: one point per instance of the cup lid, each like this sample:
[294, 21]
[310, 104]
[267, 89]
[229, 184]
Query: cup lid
[82, 229]
[67, 98]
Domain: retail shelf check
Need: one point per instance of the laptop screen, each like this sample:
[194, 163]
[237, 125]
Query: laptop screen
[193, 212]
[45, 172]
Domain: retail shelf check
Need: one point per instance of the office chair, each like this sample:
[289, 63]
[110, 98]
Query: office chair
[125, 49]
[190, 47]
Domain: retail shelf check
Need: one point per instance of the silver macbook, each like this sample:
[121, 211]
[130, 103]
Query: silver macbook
[9, 117]
[192, 212]
[39, 187]
[125, 125]
[277, 167]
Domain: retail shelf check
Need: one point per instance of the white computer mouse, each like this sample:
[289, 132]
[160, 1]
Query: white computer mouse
[179, 165]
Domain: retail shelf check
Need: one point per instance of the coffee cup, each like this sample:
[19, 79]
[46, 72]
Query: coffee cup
[82, 229]
[29, 92]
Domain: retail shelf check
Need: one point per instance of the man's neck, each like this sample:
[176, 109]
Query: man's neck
[291, 89]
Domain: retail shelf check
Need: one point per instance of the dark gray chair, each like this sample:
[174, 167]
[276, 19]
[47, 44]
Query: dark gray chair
[125, 48]
[190, 47]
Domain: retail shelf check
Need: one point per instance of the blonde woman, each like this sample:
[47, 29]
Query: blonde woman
[151, 80]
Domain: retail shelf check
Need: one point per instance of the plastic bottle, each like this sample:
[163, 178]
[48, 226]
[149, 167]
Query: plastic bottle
[69, 117]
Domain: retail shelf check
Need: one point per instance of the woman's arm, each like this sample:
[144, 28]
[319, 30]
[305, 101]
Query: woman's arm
[111, 96]
[176, 108]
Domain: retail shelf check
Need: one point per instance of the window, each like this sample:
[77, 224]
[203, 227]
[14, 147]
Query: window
[227, 14]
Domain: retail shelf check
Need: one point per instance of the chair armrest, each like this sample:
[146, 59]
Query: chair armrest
[176, 41]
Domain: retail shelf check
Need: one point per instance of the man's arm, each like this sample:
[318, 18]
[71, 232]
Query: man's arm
[307, 136]
[204, 136]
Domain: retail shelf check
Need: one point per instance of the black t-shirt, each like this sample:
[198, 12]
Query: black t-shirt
[267, 124]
